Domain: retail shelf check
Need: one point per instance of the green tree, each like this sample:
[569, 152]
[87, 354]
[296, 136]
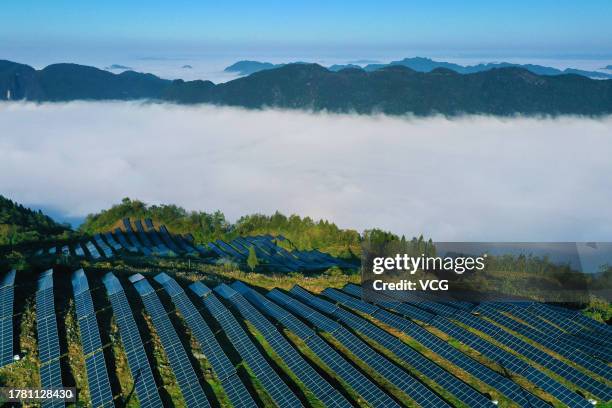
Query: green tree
[252, 260]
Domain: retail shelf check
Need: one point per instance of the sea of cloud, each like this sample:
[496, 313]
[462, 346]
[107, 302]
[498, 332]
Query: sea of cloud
[468, 178]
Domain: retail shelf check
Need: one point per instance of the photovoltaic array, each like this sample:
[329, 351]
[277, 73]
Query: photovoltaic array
[384, 354]
[97, 375]
[387, 369]
[442, 348]
[315, 383]
[177, 356]
[332, 358]
[223, 368]
[275, 387]
[459, 389]
[48, 339]
[7, 296]
[144, 382]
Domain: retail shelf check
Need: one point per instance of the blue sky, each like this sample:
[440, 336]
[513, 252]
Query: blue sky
[542, 27]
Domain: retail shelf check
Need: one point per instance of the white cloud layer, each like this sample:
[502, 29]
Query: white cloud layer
[471, 178]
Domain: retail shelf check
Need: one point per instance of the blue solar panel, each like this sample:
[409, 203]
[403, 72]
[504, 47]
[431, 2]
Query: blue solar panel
[338, 364]
[399, 307]
[587, 346]
[276, 388]
[48, 338]
[220, 363]
[459, 389]
[565, 349]
[177, 356]
[93, 251]
[97, 376]
[108, 252]
[442, 348]
[129, 233]
[152, 233]
[229, 249]
[313, 381]
[7, 295]
[165, 236]
[150, 240]
[6, 341]
[124, 242]
[111, 241]
[508, 360]
[540, 357]
[511, 362]
[146, 389]
[401, 379]
[51, 377]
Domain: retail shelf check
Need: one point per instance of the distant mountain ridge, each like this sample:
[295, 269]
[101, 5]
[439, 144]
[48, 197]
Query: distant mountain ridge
[250, 67]
[421, 64]
[394, 89]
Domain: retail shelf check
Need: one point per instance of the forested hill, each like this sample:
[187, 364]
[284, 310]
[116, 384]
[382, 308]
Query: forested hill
[304, 233]
[393, 90]
[19, 224]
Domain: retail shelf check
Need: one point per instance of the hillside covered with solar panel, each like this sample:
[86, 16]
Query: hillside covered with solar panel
[139, 309]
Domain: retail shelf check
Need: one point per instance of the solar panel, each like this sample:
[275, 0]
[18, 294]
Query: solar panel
[78, 250]
[276, 388]
[392, 373]
[131, 237]
[108, 252]
[50, 377]
[592, 324]
[217, 250]
[97, 375]
[305, 373]
[229, 250]
[442, 348]
[144, 383]
[459, 389]
[150, 239]
[540, 357]
[165, 236]
[588, 346]
[7, 295]
[510, 362]
[338, 364]
[123, 241]
[177, 356]
[93, 251]
[111, 241]
[48, 338]
[566, 349]
[6, 341]
[223, 368]
[155, 237]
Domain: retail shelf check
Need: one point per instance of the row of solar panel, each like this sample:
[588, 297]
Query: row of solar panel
[508, 360]
[7, 295]
[145, 241]
[97, 375]
[274, 256]
[405, 372]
